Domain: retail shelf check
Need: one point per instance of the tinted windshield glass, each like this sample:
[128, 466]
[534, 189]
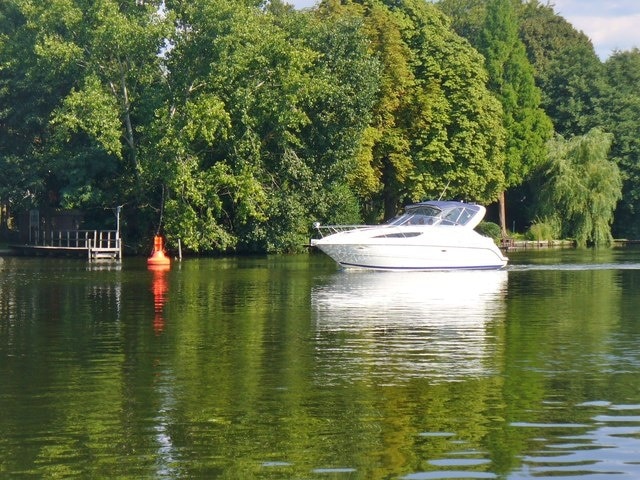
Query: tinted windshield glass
[426, 210]
[418, 215]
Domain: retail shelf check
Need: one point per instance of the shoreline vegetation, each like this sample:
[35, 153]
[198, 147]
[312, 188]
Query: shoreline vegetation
[507, 245]
[232, 126]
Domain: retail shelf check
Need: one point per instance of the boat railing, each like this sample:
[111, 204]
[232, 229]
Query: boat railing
[455, 218]
[391, 229]
[325, 230]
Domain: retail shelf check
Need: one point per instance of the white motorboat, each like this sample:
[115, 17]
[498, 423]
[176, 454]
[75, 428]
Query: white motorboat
[431, 235]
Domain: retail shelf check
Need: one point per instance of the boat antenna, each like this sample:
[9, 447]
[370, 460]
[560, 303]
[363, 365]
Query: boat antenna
[444, 190]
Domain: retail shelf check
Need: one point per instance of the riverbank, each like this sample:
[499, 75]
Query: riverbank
[514, 245]
[506, 245]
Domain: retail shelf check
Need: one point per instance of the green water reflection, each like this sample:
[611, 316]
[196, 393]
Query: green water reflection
[285, 367]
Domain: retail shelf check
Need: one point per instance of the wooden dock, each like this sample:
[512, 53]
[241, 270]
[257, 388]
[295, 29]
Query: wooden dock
[92, 244]
[508, 244]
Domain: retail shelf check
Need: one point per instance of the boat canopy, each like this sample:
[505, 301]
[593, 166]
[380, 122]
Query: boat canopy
[440, 213]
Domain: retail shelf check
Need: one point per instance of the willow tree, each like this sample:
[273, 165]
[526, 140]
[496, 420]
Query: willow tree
[581, 187]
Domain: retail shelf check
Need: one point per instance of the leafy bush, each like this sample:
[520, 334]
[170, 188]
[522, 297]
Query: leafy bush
[543, 230]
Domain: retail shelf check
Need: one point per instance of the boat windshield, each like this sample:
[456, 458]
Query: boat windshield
[430, 215]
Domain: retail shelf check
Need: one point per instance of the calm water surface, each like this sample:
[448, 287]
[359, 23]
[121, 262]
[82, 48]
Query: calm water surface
[287, 368]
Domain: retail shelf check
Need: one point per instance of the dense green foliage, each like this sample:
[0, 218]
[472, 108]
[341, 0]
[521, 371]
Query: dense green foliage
[621, 116]
[435, 126]
[512, 81]
[581, 187]
[260, 131]
[568, 72]
[232, 126]
[511, 78]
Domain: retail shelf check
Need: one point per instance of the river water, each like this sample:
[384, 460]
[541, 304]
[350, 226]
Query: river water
[288, 368]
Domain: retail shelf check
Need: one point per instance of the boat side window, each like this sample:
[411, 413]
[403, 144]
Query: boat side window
[458, 216]
[451, 217]
[465, 216]
[420, 220]
[425, 210]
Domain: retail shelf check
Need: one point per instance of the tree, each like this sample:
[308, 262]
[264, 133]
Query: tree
[30, 89]
[620, 115]
[88, 72]
[265, 109]
[383, 158]
[106, 115]
[429, 135]
[581, 187]
[511, 79]
[467, 17]
[227, 124]
[568, 72]
[121, 46]
[456, 136]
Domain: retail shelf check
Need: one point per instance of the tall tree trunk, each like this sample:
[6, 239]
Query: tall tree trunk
[389, 192]
[126, 105]
[389, 206]
[503, 215]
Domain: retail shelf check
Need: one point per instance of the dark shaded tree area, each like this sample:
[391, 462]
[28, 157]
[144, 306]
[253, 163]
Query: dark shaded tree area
[232, 126]
[620, 112]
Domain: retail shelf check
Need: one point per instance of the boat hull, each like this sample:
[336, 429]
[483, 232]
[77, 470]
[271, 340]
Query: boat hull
[464, 250]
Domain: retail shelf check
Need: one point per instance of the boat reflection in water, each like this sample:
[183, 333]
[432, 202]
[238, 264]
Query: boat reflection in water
[390, 325]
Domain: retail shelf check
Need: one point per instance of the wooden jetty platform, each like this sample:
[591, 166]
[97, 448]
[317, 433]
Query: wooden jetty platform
[92, 244]
[508, 244]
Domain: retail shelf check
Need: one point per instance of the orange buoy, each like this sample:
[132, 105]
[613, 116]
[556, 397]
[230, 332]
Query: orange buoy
[158, 256]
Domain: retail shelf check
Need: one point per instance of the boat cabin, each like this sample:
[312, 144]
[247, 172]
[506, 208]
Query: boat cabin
[440, 213]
